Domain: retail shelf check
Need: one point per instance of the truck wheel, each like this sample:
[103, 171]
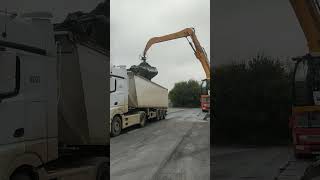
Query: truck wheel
[163, 114]
[142, 119]
[21, 176]
[116, 126]
[103, 172]
[158, 115]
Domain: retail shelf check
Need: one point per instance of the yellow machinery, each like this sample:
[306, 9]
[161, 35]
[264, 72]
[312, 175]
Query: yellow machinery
[305, 119]
[200, 54]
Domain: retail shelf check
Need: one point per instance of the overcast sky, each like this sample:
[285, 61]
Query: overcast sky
[243, 28]
[133, 23]
[59, 8]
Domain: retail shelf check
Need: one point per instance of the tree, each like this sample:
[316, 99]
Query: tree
[251, 101]
[185, 94]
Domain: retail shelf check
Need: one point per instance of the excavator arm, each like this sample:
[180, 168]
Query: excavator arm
[307, 12]
[197, 48]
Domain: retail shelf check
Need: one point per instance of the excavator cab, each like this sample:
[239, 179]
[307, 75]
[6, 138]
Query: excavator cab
[305, 119]
[205, 95]
[306, 82]
[205, 87]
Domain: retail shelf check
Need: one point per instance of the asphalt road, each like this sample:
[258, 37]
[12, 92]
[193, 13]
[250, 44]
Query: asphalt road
[176, 148]
[191, 158]
[233, 163]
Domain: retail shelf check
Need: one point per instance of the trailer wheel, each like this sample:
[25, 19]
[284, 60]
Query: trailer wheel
[163, 115]
[116, 126]
[103, 172]
[142, 119]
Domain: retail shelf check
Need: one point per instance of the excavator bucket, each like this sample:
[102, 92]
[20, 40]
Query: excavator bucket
[144, 70]
[90, 28]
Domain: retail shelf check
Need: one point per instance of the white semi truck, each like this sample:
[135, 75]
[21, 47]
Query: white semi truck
[134, 100]
[53, 105]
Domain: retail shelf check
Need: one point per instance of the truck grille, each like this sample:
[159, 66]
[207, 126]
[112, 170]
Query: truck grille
[313, 138]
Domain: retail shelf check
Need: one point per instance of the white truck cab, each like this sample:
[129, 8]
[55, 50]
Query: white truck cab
[118, 90]
[29, 128]
[27, 94]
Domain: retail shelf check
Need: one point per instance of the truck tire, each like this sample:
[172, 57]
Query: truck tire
[143, 119]
[21, 176]
[158, 115]
[103, 172]
[116, 126]
[163, 114]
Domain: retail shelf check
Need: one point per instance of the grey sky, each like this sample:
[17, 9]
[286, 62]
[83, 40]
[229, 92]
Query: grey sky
[133, 23]
[59, 8]
[243, 28]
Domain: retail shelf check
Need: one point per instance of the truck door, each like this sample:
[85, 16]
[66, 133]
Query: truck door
[12, 109]
[113, 92]
[118, 97]
[38, 108]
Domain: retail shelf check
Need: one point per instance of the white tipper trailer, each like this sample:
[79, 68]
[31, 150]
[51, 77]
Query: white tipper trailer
[52, 103]
[134, 100]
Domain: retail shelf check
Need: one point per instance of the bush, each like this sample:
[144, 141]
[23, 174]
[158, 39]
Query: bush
[185, 94]
[251, 102]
